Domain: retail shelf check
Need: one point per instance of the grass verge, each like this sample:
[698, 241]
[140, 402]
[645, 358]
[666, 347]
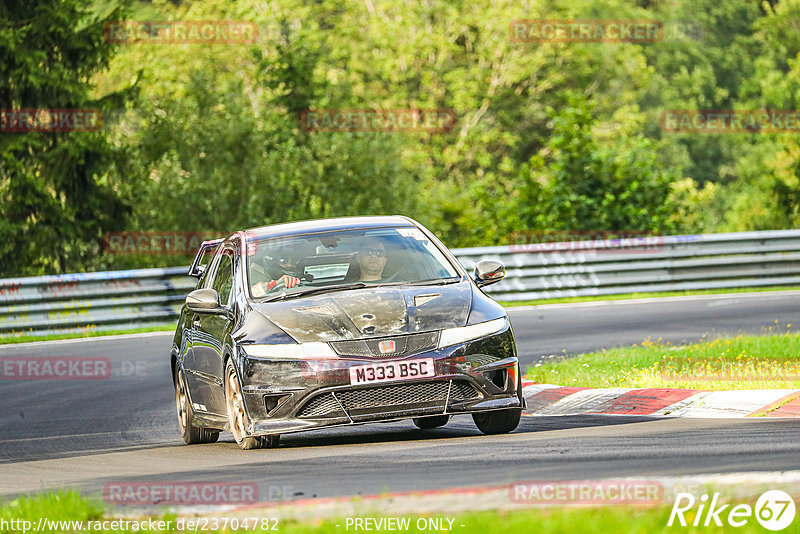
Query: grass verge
[628, 296]
[743, 362]
[7, 340]
[70, 506]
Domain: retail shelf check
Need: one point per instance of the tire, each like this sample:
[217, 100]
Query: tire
[427, 423]
[237, 417]
[498, 421]
[501, 421]
[191, 434]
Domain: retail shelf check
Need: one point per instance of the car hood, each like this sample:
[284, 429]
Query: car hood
[371, 312]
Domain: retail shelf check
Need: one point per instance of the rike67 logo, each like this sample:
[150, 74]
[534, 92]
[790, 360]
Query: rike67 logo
[774, 510]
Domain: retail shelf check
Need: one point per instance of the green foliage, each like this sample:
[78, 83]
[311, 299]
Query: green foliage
[56, 196]
[586, 184]
[548, 135]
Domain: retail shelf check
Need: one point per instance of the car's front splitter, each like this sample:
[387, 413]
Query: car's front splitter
[285, 396]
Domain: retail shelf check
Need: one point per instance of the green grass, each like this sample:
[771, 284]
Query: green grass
[769, 361]
[58, 505]
[5, 340]
[567, 520]
[627, 296]
[65, 506]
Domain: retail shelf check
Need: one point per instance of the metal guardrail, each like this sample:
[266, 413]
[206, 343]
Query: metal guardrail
[70, 303]
[110, 300]
[668, 263]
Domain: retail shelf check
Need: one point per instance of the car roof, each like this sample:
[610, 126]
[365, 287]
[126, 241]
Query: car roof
[328, 225]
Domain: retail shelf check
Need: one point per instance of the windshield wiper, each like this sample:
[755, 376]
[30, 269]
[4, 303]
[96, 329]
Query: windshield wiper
[434, 281]
[316, 290]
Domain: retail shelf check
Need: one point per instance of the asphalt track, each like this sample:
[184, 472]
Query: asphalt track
[86, 434]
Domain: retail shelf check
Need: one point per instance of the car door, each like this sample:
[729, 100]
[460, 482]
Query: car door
[208, 338]
[199, 268]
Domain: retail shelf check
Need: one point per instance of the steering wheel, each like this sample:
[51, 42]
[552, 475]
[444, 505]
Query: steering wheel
[281, 282]
[406, 270]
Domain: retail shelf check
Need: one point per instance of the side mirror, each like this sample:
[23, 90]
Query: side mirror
[488, 272]
[204, 301]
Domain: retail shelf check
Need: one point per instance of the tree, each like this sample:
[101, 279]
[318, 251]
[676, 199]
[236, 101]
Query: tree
[55, 194]
[588, 185]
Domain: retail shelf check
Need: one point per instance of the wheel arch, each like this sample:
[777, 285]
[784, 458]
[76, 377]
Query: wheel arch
[173, 362]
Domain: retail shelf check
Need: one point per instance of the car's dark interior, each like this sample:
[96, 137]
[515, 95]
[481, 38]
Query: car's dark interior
[406, 260]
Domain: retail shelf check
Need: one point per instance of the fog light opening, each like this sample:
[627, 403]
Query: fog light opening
[499, 378]
[271, 402]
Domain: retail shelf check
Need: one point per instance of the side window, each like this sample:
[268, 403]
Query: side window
[205, 265]
[205, 260]
[223, 279]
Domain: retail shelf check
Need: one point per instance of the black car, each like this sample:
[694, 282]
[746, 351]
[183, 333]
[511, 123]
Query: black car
[332, 322]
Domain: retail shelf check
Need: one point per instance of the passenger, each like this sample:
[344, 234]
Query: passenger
[371, 259]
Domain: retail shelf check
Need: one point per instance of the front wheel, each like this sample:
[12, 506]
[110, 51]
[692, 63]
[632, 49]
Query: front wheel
[191, 434]
[237, 418]
[498, 421]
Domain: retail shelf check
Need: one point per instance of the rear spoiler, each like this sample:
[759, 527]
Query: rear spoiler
[195, 269]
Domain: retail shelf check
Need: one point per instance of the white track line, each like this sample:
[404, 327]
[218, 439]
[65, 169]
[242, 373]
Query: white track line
[84, 339]
[652, 300]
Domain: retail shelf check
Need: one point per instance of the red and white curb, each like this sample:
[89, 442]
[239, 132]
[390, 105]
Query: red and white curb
[549, 399]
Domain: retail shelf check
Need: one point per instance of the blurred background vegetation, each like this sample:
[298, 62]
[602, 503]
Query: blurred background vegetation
[549, 136]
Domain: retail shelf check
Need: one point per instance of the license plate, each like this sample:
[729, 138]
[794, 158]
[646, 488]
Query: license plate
[391, 371]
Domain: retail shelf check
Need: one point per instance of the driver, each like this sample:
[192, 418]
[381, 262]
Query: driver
[283, 267]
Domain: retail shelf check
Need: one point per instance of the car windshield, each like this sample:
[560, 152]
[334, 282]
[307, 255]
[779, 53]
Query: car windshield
[289, 267]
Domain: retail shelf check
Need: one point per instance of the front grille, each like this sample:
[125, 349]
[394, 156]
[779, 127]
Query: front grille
[322, 406]
[417, 393]
[370, 348]
[463, 391]
[384, 397]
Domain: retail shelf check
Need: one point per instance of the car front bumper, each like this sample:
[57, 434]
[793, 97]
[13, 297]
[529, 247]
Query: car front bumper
[284, 396]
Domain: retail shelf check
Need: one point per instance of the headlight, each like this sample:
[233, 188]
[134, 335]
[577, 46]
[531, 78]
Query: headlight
[294, 351]
[454, 336]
